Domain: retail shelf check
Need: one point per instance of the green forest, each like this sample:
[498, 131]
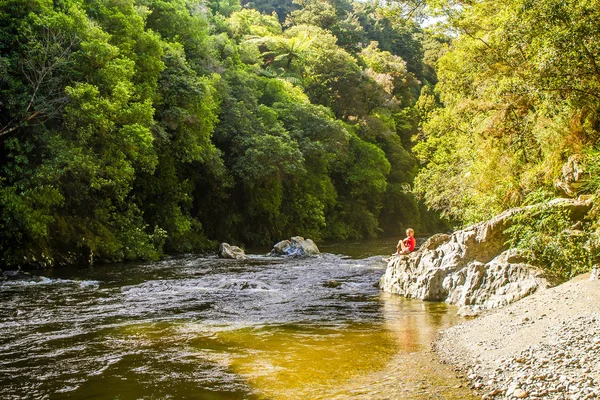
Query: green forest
[130, 129]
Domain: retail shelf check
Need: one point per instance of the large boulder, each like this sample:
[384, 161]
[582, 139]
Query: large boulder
[471, 268]
[281, 248]
[228, 251]
[296, 247]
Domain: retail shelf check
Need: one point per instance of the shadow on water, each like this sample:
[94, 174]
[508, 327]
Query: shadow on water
[203, 328]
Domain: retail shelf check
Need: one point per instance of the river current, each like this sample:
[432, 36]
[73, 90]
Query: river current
[199, 327]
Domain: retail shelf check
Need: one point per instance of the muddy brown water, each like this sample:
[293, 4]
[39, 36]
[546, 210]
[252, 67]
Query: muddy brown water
[197, 327]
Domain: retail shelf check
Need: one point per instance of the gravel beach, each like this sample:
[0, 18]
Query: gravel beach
[546, 346]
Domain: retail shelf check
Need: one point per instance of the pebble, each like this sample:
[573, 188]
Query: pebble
[520, 394]
[567, 366]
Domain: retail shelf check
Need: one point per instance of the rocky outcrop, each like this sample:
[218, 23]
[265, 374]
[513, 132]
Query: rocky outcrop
[228, 251]
[572, 173]
[296, 247]
[595, 275]
[471, 268]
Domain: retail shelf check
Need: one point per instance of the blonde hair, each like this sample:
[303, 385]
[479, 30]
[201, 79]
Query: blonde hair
[410, 230]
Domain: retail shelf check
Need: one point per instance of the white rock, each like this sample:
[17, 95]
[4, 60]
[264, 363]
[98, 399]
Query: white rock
[471, 267]
[296, 247]
[520, 393]
[468, 311]
[228, 251]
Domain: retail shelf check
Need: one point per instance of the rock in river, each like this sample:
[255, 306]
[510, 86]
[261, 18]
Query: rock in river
[332, 284]
[228, 251]
[296, 247]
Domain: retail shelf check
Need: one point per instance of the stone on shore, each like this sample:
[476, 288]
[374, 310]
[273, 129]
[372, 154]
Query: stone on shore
[233, 252]
[595, 275]
[471, 268]
[546, 346]
[296, 247]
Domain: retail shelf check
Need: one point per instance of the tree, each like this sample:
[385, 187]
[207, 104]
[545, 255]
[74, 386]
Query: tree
[518, 87]
[281, 7]
[130, 128]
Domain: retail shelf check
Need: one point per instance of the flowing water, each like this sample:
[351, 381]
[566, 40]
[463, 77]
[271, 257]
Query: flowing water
[198, 327]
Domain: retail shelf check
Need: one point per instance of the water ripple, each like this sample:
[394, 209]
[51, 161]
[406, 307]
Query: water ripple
[174, 328]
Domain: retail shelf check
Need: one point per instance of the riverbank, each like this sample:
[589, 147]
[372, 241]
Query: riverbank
[546, 346]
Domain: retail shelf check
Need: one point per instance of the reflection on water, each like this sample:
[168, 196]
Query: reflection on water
[292, 362]
[204, 328]
[415, 323]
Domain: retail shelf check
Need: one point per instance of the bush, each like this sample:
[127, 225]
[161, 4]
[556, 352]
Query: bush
[550, 239]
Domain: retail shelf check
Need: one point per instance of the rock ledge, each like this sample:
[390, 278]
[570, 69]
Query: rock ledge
[471, 268]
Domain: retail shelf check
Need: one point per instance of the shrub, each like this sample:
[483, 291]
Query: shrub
[550, 239]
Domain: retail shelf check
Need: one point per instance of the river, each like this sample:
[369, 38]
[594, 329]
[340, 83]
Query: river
[198, 327]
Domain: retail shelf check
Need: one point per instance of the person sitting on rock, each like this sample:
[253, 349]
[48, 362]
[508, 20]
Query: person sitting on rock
[407, 245]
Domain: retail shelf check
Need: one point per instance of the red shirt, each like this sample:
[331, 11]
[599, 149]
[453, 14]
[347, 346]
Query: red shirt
[410, 243]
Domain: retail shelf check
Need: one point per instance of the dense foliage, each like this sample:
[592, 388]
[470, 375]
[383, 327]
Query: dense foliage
[553, 238]
[519, 89]
[518, 95]
[130, 128]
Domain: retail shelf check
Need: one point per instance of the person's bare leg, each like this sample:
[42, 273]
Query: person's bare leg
[404, 249]
[398, 248]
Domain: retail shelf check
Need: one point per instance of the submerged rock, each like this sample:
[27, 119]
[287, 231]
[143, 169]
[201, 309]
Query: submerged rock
[228, 251]
[296, 247]
[238, 284]
[15, 274]
[332, 284]
[472, 268]
[467, 311]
